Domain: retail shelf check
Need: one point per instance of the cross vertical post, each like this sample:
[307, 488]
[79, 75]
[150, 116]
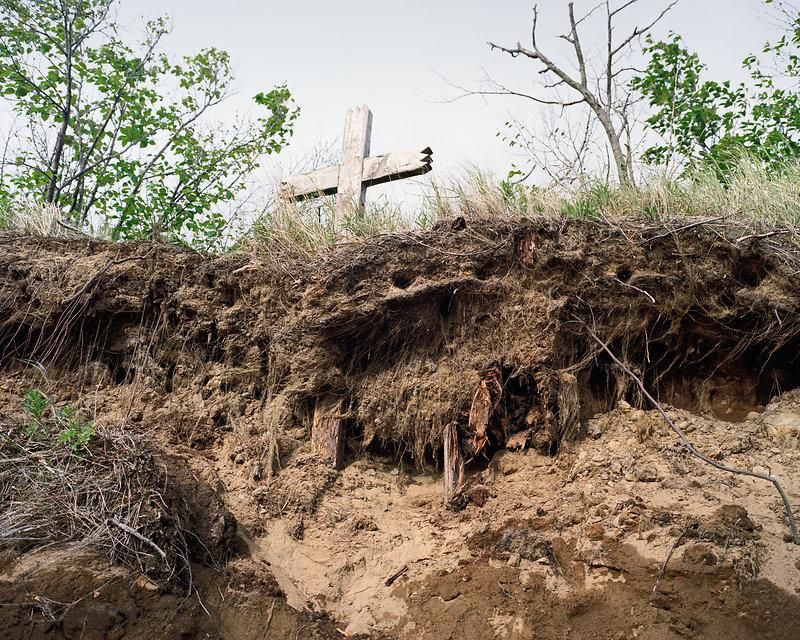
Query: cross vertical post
[358, 170]
[352, 191]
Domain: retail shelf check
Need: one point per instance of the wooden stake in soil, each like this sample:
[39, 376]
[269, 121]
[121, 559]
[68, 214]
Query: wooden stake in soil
[453, 464]
[357, 171]
[327, 432]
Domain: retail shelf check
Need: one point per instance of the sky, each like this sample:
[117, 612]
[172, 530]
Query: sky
[394, 56]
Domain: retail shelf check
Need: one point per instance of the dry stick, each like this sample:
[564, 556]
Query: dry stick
[683, 228]
[758, 236]
[138, 536]
[269, 616]
[630, 286]
[663, 569]
[391, 579]
[687, 443]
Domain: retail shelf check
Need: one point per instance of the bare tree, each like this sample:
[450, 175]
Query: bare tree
[602, 90]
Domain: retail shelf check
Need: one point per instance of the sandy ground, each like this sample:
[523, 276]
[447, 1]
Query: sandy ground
[597, 521]
[218, 363]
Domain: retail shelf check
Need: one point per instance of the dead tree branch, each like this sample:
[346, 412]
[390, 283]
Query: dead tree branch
[133, 532]
[687, 443]
[608, 100]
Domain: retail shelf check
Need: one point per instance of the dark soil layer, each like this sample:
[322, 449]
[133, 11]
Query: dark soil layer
[218, 361]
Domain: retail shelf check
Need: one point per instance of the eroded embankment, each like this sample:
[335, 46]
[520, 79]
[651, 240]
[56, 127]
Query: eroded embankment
[218, 362]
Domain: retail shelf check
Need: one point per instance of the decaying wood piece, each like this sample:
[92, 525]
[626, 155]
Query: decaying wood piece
[487, 396]
[453, 464]
[355, 147]
[327, 433]
[526, 249]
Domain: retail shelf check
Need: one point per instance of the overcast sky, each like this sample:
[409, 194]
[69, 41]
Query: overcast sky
[389, 55]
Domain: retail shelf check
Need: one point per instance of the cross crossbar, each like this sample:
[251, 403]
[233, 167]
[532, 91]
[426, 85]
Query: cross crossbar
[358, 170]
[377, 170]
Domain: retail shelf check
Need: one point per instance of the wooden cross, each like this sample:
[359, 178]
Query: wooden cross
[358, 170]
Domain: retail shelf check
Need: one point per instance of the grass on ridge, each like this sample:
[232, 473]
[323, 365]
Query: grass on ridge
[752, 198]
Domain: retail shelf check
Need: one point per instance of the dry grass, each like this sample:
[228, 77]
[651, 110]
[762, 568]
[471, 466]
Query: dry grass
[107, 497]
[753, 196]
[753, 199]
[33, 219]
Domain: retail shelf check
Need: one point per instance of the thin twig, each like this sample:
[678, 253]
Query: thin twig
[269, 616]
[625, 284]
[687, 443]
[138, 536]
[685, 227]
[663, 569]
[754, 236]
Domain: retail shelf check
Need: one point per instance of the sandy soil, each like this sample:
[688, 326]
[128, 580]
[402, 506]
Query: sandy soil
[583, 537]
[603, 527]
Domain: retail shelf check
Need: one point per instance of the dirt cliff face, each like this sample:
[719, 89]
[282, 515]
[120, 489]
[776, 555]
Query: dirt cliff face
[574, 495]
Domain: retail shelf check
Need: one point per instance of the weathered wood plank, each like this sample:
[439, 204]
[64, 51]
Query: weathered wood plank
[327, 432]
[311, 185]
[397, 165]
[453, 464]
[352, 192]
[377, 170]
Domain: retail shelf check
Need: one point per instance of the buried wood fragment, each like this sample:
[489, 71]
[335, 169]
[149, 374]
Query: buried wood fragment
[484, 403]
[327, 432]
[391, 579]
[453, 464]
[526, 249]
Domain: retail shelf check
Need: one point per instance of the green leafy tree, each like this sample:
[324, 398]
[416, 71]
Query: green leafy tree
[708, 124]
[117, 136]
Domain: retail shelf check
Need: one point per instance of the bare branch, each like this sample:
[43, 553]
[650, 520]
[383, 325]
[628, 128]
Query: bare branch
[641, 31]
[687, 443]
[497, 89]
[576, 43]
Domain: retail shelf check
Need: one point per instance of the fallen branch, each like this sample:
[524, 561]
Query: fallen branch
[138, 536]
[683, 228]
[390, 580]
[663, 569]
[759, 236]
[687, 443]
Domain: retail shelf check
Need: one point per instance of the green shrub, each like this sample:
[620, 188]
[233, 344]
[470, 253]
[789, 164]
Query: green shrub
[34, 404]
[74, 432]
[67, 426]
